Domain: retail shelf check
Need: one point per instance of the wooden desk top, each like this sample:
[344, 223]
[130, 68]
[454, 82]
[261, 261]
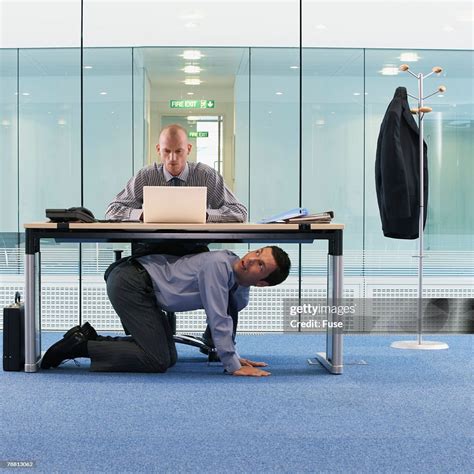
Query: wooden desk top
[135, 226]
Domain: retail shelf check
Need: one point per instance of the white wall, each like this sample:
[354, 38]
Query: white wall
[438, 24]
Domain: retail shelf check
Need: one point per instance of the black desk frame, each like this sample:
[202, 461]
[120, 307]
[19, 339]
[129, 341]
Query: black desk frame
[332, 359]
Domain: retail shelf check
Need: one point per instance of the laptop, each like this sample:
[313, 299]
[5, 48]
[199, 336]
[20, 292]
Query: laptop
[174, 204]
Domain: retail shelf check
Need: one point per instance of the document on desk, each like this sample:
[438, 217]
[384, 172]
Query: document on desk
[284, 216]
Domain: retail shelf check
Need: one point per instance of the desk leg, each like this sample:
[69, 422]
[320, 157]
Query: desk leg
[332, 359]
[32, 333]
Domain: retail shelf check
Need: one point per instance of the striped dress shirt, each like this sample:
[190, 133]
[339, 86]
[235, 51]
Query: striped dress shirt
[222, 205]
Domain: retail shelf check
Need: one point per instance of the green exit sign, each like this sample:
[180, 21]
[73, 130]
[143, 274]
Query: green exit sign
[198, 134]
[192, 104]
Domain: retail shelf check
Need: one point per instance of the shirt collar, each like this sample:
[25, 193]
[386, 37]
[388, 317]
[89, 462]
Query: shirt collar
[183, 176]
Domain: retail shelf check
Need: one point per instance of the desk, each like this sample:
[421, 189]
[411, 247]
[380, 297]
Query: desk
[210, 233]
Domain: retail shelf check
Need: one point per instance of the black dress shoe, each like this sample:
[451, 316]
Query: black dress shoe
[75, 345]
[89, 332]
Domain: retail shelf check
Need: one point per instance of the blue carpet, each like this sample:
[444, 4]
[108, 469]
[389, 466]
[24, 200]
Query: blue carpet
[406, 411]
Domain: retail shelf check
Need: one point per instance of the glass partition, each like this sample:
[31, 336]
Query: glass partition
[8, 145]
[108, 128]
[49, 134]
[130, 93]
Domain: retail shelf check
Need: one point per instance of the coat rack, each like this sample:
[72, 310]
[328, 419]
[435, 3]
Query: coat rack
[421, 110]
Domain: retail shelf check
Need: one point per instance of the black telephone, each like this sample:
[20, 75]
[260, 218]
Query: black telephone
[73, 214]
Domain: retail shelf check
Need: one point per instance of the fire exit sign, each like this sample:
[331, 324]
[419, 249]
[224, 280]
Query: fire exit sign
[192, 104]
[198, 134]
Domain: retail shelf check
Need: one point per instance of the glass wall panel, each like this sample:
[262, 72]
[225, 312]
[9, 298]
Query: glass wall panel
[333, 137]
[141, 111]
[49, 131]
[8, 143]
[274, 138]
[108, 128]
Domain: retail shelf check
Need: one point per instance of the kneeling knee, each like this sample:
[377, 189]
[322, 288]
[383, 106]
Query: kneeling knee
[158, 367]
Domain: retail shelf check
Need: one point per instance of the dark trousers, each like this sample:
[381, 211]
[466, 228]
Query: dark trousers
[151, 347]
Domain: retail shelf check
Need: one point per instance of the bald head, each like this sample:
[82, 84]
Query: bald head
[173, 130]
[174, 148]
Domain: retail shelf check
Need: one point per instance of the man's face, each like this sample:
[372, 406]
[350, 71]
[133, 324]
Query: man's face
[255, 267]
[174, 149]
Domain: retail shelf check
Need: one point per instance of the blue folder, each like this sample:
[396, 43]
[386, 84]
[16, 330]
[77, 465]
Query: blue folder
[282, 216]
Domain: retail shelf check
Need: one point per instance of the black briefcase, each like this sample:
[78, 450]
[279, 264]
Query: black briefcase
[14, 336]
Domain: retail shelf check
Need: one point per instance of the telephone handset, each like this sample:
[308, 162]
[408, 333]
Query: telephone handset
[73, 214]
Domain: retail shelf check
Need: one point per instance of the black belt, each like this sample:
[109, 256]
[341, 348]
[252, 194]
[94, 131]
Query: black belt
[132, 261]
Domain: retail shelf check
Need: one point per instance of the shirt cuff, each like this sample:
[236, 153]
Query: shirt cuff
[232, 364]
[135, 214]
[213, 215]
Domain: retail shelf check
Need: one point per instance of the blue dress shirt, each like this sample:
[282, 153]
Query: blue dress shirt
[200, 281]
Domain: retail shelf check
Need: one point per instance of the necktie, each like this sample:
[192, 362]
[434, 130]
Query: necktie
[175, 181]
[232, 309]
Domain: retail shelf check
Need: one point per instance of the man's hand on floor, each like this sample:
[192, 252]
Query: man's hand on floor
[251, 363]
[250, 371]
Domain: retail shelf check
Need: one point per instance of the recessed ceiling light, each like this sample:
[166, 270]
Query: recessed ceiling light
[192, 54]
[87, 67]
[278, 93]
[389, 70]
[356, 93]
[409, 57]
[192, 15]
[448, 28]
[440, 95]
[190, 93]
[103, 93]
[294, 67]
[191, 69]
[321, 27]
[5, 123]
[191, 81]
[25, 93]
[320, 122]
[62, 122]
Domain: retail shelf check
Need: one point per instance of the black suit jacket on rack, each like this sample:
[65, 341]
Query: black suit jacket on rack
[397, 176]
